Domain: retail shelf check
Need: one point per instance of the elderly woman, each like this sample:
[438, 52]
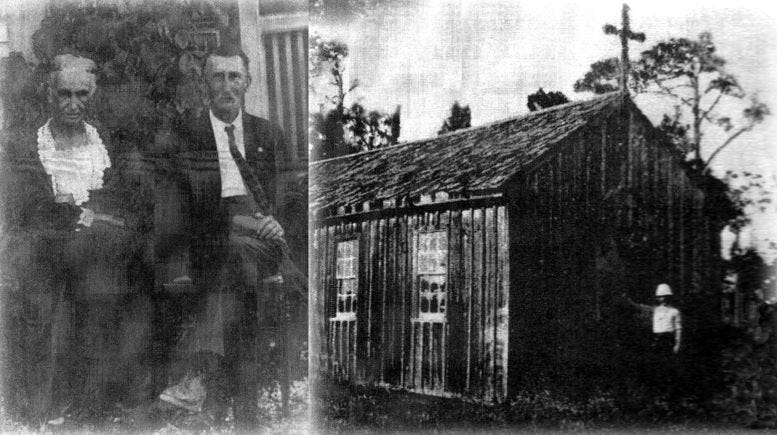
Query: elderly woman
[75, 223]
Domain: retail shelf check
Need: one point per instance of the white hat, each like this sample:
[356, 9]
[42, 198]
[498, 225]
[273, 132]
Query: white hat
[663, 290]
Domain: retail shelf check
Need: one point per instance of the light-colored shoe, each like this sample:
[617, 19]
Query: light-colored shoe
[188, 394]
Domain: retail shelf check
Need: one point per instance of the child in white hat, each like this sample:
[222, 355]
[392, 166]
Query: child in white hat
[667, 323]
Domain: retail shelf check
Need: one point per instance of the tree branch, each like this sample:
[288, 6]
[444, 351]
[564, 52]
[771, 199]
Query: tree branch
[668, 91]
[669, 94]
[725, 144]
[711, 106]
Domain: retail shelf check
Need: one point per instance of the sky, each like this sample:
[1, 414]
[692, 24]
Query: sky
[491, 54]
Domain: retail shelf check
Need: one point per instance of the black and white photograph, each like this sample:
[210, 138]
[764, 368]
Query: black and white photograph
[400, 216]
[539, 216]
[154, 203]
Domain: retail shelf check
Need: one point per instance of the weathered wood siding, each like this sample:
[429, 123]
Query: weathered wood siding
[593, 204]
[389, 343]
[603, 214]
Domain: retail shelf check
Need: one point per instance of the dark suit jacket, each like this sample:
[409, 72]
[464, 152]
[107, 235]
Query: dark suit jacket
[207, 214]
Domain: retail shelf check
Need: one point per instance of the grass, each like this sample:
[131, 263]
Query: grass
[343, 408]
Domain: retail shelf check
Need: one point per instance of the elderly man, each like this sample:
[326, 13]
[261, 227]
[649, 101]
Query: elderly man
[228, 163]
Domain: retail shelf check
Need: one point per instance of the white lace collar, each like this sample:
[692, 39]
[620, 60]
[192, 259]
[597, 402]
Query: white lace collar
[75, 170]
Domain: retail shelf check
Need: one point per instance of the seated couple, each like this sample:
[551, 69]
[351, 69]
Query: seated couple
[81, 243]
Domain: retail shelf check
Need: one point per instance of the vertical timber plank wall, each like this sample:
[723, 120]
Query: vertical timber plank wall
[464, 356]
[457, 357]
[476, 303]
[640, 197]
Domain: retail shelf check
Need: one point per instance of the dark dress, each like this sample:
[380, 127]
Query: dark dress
[75, 299]
[33, 293]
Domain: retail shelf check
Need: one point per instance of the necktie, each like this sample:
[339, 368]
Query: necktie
[246, 171]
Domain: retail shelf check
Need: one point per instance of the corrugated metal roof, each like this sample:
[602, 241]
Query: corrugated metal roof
[476, 159]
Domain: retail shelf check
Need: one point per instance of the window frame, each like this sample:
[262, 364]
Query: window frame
[350, 297]
[434, 273]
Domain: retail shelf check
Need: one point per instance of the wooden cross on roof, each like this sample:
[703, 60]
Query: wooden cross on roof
[625, 34]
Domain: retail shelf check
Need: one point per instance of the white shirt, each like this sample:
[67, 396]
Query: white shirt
[666, 319]
[231, 180]
[77, 170]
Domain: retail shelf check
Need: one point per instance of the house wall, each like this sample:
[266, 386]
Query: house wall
[603, 216]
[387, 343]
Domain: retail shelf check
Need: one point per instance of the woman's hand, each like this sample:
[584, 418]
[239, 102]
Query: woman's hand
[86, 218]
[64, 198]
[109, 219]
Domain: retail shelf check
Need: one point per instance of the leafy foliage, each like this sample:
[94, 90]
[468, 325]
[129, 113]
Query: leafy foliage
[750, 375]
[749, 360]
[325, 130]
[337, 130]
[601, 78]
[671, 67]
[460, 117]
[542, 100]
[749, 192]
[23, 96]
[690, 73]
[373, 129]
[149, 54]
[683, 57]
[676, 130]
[327, 57]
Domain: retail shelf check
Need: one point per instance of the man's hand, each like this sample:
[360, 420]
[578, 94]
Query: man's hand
[263, 227]
[268, 227]
[678, 338]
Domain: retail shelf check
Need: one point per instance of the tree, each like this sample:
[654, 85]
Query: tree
[749, 359]
[460, 117]
[689, 73]
[601, 78]
[336, 129]
[371, 130]
[750, 193]
[326, 135]
[541, 100]
[327, 58]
